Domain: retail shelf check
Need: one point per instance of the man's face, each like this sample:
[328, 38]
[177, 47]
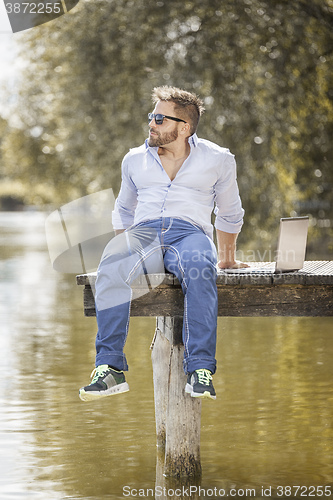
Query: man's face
[161, 135]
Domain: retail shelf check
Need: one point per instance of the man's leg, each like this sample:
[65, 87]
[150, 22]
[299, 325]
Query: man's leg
[134, 252]
[191, 256]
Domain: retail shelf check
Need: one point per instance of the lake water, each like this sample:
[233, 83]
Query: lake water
[271, 425]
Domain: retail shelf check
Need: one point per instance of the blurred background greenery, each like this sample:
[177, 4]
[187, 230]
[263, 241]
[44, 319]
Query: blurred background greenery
[263, 68]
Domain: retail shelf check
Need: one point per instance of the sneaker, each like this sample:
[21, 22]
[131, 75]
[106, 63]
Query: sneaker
[200, 385]
[105, 382]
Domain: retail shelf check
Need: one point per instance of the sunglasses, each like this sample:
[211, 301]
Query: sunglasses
[159, 118]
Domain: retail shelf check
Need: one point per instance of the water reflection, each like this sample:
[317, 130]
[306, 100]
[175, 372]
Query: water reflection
[271, 425]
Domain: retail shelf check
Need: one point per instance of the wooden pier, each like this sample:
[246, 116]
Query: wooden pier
[308, 292]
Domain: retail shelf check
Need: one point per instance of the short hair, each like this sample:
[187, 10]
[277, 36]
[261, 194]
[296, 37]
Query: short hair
[189, 105]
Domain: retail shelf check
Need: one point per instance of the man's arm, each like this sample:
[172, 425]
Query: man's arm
[226, 243]
[229, 214]
[126, 202]
[228, 207]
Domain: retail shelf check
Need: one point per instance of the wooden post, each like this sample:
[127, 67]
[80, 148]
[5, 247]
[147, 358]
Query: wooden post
[178, 416]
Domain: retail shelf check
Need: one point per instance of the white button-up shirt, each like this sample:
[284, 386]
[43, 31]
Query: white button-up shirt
[207, 179]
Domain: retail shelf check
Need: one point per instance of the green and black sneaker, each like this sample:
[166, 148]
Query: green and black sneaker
[200, 385]
[105, 382]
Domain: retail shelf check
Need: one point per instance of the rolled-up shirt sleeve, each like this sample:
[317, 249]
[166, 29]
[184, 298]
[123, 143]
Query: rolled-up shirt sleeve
[228, 207]
[126, 202]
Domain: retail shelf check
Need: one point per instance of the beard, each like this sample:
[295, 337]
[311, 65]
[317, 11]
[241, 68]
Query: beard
[162, 139]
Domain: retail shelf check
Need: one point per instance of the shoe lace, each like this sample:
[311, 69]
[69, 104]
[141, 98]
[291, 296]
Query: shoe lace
[204, 376]
[98, 372]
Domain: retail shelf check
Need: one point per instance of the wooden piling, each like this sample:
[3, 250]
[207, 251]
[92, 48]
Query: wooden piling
[178, 416]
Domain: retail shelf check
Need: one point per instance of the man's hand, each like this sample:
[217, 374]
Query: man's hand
[227, 251]
[236, 264]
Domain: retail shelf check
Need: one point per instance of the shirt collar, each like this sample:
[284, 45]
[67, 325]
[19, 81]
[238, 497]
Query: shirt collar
[193, 140]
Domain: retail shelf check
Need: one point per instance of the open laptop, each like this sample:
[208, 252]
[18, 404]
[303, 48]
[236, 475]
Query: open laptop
[290, 253]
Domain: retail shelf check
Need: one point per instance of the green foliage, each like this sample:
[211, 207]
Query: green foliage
[263, 69]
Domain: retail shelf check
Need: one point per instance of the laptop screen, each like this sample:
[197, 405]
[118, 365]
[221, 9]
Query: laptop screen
[292, 243]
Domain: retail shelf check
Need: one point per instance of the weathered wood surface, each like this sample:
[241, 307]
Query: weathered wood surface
[177, 415]
[308, 292]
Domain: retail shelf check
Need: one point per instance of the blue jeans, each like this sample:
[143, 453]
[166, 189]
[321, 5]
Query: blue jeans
[181, 248]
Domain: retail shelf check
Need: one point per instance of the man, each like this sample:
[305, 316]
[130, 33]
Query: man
[162, 219]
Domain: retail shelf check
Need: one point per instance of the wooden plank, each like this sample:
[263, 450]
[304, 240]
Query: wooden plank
[313, 272]
[283, 300]
[304, 293]
[236, 300]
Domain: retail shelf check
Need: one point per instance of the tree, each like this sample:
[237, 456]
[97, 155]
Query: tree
[262, 68]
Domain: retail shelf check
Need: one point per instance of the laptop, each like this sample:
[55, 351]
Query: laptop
[290, 253]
